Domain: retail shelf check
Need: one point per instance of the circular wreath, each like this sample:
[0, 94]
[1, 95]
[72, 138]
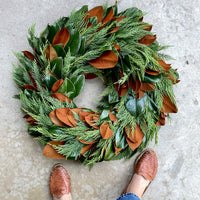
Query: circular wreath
[120, 49]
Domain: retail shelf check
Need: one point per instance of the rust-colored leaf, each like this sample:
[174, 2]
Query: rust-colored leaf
[117, 48]
[77, 110]
[136, 140]
[118, 19]
[168, 106]
[112, 117]
[96, 12]
[61, 97]
[147, 27]
[147, 40]
[29, 55]
[30, 87]
[140, 94]
[90, 76]
[161, 121]
[32, 79]
[57, 85]
[62, 115]
[61, 37]
[50, 152]
[105, 131]
[71, 118]
[55, 120]
[86, 148]
[107, 60]
[83, 114]
[165, 66]
[90, 119]
[173, 79]
[114, 30]
[50, 53]
[117, 150]
[135, 85]
[86, 142]
[152, 72]
[108, 17]
[147, 86]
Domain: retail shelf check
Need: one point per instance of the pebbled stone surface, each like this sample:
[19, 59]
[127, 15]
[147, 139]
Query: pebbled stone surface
[24, 172]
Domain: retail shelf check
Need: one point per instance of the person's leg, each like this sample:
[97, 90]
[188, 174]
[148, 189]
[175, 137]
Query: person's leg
[145, 171]
[59, 183]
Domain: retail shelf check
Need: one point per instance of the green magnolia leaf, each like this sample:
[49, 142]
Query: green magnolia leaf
[109, 152]
[59, 50]
[52, 30]
[152, 78]
[120, 140]
[75, 43]
[82, 48]
[57, 65]
[79, 82]
[105, 114]
[136, 106]
[67, 87]
[49, 80]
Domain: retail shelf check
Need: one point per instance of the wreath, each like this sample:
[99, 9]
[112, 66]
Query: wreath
[121, 50]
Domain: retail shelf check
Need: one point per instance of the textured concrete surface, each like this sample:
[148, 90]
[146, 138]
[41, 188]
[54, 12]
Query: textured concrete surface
[24, 172]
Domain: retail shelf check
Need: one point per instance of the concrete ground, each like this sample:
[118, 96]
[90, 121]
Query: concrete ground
[24, 172]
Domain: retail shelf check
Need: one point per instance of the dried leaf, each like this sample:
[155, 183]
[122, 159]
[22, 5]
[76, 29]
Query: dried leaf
[148, 27]
[168, 106]
[50, 152]
[29, 55]
[50, 53]
[86, 142]
[147, 40]
[30, 87]
[62, 115]
[86, 148]
[173, 79]
[90, 119]
[108, 17]
[71, 118]
[57, 85]
[136, 140]
[117, 150]
[165, 66]
[117, 48]
[61, 97]
[107, 60]
[83, 114]
[96, 12]
[147, 86]
[90, 76]
[112, 117]
[114, 30]
[32, 79]
[61, 37]
[118, 19]
[105, 131]
[55, 120]
[161, 121]
[152, 72]
[135, 85]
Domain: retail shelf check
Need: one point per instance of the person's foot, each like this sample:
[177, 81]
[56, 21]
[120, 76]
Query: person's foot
[59, 183]
[145, 171]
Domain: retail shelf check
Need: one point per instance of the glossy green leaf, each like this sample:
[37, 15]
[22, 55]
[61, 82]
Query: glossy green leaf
[59, 50]
[49, 80]
[82, 47]
[75, 43]
[152, 78]
[120, 140]
[79, 82]
[109, 152]
[28, 92]
[57, 65]
[67, 87]
[52, 30]
[136, 106]
[93, 20]
[105, 114]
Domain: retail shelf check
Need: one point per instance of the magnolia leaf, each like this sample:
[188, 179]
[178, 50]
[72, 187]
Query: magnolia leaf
[62, 115]
[82, 47]
[90, 119]
[57, 65]
[152, 78]
[147, 40]
[112, 116]
[61, 97]
[152, 72]
[96, 12]
[50, 53]
[67, 87]
[105, 114]
[79, 82]
[120, 140]
[62, 37]
[50, 152]
[105, 131]
[109, 152]
[165, 66]
[59, 50]
[52, 30]
[107, 60]
[86, 148]
[49, 81]
[90, 76]
[108, 17]
[55, 120]
[168, 106]
[29, 55]
[57, 85]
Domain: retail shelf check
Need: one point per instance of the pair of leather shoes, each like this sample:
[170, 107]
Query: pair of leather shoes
[146, 165]
[59, 183]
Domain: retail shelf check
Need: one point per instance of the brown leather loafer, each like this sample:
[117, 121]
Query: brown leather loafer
[59, 182]
[146, 164]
